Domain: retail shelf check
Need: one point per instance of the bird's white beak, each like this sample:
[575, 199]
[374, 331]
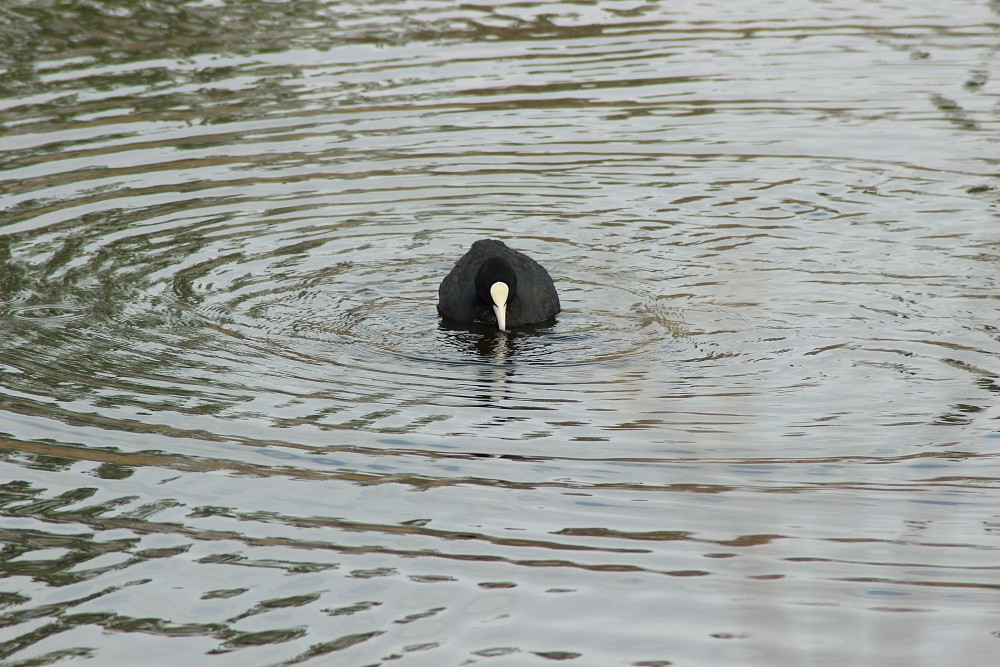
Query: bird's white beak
[499, 293]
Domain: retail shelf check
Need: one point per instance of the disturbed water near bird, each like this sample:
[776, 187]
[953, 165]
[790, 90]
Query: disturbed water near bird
[764, 430]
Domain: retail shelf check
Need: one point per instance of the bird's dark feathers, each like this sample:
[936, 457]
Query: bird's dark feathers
[533, 300]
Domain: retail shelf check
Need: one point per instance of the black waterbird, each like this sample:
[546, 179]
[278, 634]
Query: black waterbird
[492, 283]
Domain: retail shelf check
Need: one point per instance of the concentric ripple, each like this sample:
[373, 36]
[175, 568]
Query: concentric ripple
[234, 430]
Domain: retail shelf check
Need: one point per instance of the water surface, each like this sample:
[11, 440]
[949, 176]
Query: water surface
[763, 430]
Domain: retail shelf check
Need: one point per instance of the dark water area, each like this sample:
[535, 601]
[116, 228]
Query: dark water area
[764, 429]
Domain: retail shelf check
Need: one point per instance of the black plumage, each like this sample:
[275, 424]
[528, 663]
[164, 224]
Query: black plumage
[464, 295]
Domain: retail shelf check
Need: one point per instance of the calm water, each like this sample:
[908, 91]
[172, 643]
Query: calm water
[765, 430]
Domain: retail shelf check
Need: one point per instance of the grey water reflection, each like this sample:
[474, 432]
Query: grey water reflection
[234, 430]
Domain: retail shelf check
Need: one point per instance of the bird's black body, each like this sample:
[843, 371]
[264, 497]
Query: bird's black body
[464, 294]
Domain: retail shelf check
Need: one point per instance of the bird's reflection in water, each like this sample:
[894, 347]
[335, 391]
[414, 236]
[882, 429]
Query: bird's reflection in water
[498, 348]
[501, 350]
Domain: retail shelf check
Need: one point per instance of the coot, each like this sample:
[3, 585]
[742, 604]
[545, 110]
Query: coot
[492, 283]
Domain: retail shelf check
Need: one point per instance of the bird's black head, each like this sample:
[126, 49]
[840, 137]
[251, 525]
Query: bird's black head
[496, 285]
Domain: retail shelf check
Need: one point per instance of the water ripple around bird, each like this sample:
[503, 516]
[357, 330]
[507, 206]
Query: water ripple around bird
[234, 429]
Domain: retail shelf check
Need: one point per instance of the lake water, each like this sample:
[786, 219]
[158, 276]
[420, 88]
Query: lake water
[765, 429]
